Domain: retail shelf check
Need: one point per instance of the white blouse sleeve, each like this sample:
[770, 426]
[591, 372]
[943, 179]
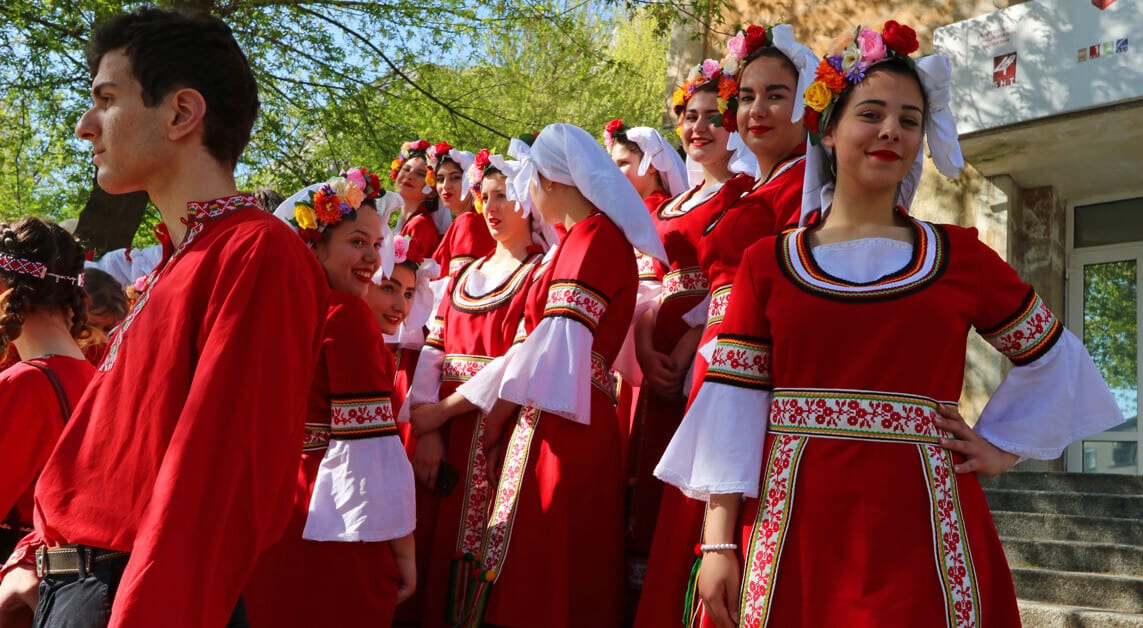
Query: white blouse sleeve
[1042, 407]
[718, 447]
[426, 386]
[552, 370]
[483, 390]
[698, 314]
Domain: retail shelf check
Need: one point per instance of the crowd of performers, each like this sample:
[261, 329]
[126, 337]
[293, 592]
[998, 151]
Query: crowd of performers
[580, 384]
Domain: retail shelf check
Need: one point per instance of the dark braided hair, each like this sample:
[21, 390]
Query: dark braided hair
[45, 242]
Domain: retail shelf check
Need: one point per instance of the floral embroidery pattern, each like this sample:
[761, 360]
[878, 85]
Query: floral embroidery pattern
[577, 301]
[316, 437]
[719, 300]
[435, 339]
[1027, 335]
[461, 368]
[854, 414]
[361, 416]
[769, 531]
[741, 361]
[683, 282]
[601, 377]
[198, 214]
[457, 263]
[646, 265]
[954, 560]
[478, 491]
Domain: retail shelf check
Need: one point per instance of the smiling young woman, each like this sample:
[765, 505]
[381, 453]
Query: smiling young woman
[849, 333]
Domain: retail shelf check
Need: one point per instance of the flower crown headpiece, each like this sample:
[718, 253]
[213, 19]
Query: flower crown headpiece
[849, 58]
[405, 249]
[415, 148]
[333, 201]
[745, 43]
[21, 266]
[436, 156]
[709, 71]
[614, 129]
[476, 172]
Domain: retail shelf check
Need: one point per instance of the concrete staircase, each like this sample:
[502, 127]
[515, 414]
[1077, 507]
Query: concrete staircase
[1075, 546]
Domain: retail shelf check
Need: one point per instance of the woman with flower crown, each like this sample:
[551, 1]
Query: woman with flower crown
[476, 323]
[766, 70]
[467, 237]
[550, 553]
[346, 558]
[420, 218]
[862, 504]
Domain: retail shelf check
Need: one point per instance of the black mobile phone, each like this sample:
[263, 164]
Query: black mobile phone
[447, 477]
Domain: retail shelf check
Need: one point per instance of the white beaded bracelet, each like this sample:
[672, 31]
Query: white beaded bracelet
[716, 547]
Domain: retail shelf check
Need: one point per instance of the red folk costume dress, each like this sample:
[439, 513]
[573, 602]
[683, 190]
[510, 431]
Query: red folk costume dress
[749, 213]
[858, 498]
[476, 323]
[680, 223]
[184, 447]
[559, 499]
[31, 420]
[466, 240]
[422, 232]
[354, 490]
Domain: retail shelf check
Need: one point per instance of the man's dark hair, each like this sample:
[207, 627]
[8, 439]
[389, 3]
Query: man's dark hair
[169, 50]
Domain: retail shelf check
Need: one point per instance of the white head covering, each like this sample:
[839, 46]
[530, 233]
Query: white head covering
[569, 155]
[804, 60]
[658, 152]
[463, 159]
[940, 131]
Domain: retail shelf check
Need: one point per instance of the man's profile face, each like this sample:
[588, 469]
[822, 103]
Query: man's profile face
[128, 138]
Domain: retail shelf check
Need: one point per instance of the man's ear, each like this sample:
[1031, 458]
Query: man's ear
[188, 109]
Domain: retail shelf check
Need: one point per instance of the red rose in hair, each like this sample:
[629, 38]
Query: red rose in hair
[614, 125]
[899, 37]
[755, 38]
[442, 148]
[812, 119]
[419, 145]
[730, 121]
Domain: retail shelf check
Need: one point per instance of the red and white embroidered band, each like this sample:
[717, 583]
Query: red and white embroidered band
[461, 368]
[684, 281]
[361, 416]
[22, 266]
[719, 300]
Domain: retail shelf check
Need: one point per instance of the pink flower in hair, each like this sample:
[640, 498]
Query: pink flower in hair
[710, 68]
[400, 249]
[354, 176]
[871, 45]
[737, 46]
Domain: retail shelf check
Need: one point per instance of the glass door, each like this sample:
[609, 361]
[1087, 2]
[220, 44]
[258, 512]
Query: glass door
[1104, 312]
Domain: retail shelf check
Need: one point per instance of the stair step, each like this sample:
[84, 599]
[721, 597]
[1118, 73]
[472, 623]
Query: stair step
[1044, 615]
[1118, 593]
[1035, 525]
[1067, 503]
[1105, 558]
[1067, 482]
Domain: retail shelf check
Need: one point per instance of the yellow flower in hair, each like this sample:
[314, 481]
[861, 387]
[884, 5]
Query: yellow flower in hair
[478, 204]
[722, 104]
[818, 96]
[395, 164]
[431, 178]
[679, 98]
[304, 216]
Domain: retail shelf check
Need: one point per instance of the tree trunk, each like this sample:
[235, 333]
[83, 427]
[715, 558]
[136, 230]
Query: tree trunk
[109, 221]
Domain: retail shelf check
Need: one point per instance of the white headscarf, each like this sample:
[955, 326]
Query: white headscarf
[940, 132]
[742, 161]
[658, 152]
[567, 154]
[463, 159]
[409, 334]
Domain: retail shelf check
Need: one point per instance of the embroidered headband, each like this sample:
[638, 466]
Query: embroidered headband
[22, 266]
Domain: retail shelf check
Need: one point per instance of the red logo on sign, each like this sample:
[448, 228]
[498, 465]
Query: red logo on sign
[1004, 70]
[1102, 4]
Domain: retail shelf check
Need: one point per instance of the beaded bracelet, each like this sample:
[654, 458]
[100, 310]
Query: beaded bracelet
[716, 547]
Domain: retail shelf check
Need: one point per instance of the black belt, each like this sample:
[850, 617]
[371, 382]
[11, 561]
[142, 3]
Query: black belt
[72, 560]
